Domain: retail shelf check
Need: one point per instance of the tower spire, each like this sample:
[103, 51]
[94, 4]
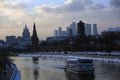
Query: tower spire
[35, 39]
[34, 30]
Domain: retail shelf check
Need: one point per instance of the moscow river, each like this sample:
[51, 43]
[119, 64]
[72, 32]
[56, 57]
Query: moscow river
[53, 69]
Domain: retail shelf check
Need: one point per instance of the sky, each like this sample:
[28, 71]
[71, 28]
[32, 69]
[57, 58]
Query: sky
[50, 14]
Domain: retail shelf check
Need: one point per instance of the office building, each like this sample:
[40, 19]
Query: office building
[73, 27]
[71, 32]
[117, 29]
[81, 28]
[19, 39]
[88, 29]
[10, 40]
[67, 29]
[64, 33]
[95, 32]
[2, 44]
[60, 31]
[55, 33]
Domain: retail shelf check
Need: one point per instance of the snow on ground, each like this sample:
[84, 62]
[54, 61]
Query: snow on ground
[74, 55]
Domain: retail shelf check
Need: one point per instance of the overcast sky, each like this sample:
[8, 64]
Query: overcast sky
[50, 14]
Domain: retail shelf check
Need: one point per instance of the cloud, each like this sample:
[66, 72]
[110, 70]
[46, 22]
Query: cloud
[3, 0]
[115, 3]
[69, 6]
[76, 5]
[98, 7]
[15, 5]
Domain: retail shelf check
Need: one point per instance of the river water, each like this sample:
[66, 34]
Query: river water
[52, 69]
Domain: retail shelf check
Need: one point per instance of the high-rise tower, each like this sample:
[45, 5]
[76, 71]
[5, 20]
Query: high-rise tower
[81, 28]
[26, 34]
[88, 29]
[34, 38]
[73, 27]
[60, 31]
[95, 32]
[55, 33]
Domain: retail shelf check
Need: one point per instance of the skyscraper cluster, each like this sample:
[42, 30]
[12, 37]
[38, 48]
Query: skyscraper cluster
[91, 29]
[70, 31]
[74, 30]
[79, 28]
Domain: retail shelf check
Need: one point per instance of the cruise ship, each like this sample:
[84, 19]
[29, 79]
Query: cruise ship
[81, 66]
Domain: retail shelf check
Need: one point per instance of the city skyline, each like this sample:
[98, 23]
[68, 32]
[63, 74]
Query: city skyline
[50, 14]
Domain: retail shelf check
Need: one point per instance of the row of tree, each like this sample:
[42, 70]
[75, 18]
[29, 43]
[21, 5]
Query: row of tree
[107, 41]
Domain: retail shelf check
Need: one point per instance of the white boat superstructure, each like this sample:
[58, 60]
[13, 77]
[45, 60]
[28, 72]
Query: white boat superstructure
[79, 66]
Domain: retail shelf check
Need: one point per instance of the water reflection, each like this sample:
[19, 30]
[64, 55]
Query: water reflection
[51, 69]
[35, 60]
[107, 71]
[36, 69]
[36, 74]
[73, 76]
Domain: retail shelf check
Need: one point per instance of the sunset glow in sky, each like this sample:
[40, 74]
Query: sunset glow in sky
[50, 14]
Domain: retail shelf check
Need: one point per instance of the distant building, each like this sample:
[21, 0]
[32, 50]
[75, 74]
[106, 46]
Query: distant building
[81, 28]
[70, 32]
[67, 29]
[64, 33]
[2, 41]
[55, 33]
[2, 44]
[53, 39]
[26, 34]
[113, 30]
[60, 31]
[95, 32]
[11, 40]
[73, 27]
[88, 29]
[19, 39]
[112, 35]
